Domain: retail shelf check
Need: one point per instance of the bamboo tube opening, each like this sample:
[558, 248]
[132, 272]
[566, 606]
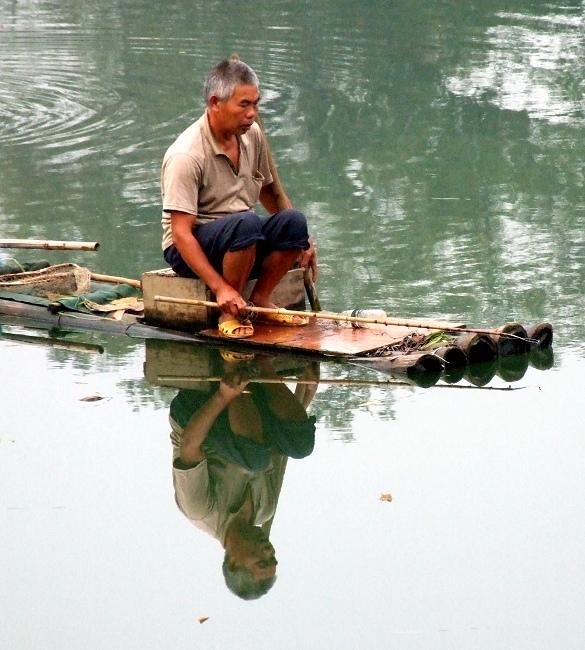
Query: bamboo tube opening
[452, 355]
[426, 371]
[510, 345]
[479, 348]
[540, 335]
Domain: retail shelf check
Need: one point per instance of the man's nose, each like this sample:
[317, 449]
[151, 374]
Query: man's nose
[267, 549]
[252, 113]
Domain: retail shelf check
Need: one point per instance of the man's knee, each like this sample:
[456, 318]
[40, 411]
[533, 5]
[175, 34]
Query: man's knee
[248, 223]
[247, 231]
[287, 229]
[295, 219]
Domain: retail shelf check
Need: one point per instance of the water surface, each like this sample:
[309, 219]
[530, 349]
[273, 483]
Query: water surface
[437, 151]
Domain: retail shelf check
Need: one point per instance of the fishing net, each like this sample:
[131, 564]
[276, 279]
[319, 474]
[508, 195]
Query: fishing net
[51, 282]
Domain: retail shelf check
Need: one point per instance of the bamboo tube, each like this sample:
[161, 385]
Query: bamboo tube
[454, 361]
[48, 244]
[452, 356]
[76, 322]
[507, 345]
[540, 335]
[479, 348]
[112, 278]
[283, 202]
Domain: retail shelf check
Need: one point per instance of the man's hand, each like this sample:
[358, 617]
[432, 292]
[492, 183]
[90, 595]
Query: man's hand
[309, 259]
[233, 385]
[230, 301]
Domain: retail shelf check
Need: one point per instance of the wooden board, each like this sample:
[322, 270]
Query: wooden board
[320, 336]
[289, 293]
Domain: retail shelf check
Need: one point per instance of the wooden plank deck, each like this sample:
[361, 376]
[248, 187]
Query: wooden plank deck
[320, 336]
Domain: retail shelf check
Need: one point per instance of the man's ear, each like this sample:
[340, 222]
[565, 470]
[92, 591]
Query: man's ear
[232, 566]
[213, 102]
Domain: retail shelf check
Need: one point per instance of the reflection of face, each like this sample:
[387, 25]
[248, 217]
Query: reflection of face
[256, 553]
[239, 112]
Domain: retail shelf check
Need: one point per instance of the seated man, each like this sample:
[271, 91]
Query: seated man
[212, 177]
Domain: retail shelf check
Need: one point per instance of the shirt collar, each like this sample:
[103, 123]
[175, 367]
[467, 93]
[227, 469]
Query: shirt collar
[208, 134]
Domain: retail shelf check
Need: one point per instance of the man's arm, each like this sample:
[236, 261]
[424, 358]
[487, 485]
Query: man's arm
[270, 201]
[227, 297]
[200, 424]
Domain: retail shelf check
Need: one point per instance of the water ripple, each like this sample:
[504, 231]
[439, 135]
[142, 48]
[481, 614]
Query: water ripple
[52, 94]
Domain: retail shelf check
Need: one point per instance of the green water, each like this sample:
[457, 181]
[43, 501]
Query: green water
[437, 149]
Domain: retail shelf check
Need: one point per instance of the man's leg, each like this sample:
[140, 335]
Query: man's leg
[236, 269]
[286, 236]
[275, 266]
[230, 246]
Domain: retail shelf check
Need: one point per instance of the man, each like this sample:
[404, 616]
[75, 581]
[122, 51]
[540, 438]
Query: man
[230, 450]
[212, 177]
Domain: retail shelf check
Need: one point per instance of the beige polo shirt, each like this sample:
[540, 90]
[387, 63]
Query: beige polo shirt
[212, 493]
[197, 176]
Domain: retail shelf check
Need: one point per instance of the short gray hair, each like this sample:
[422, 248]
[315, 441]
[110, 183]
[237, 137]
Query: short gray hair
[241, 583]
[223, 78]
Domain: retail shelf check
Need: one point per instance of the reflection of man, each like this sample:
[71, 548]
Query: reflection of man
[230, 447]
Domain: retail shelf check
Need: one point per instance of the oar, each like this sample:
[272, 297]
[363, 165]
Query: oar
[282, 203]
[325, 315]
[48, 244]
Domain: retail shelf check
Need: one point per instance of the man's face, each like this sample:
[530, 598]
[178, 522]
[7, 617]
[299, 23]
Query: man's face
[257, 554]
[239, 112]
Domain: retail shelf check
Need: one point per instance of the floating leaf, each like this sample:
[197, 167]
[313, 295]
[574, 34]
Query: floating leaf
[385, 497]
[91, 398]
[202, 619]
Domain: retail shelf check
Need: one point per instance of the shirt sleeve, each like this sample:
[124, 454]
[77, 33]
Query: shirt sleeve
[192, 491]
[180, 180]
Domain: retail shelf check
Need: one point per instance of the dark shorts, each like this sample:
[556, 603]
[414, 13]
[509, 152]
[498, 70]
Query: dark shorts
[285, 230]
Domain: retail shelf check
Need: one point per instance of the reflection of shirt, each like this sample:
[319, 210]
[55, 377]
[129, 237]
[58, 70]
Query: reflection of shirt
[197, 176]
[211, 493]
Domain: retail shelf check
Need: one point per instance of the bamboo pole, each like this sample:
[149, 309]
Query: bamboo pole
[325, 381]
[325, 315]
[72, 346]
[283, 202]
[48, 244]
[287, 380]
[113, 278]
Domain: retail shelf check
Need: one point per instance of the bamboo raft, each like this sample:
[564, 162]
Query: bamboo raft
[178, 309]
